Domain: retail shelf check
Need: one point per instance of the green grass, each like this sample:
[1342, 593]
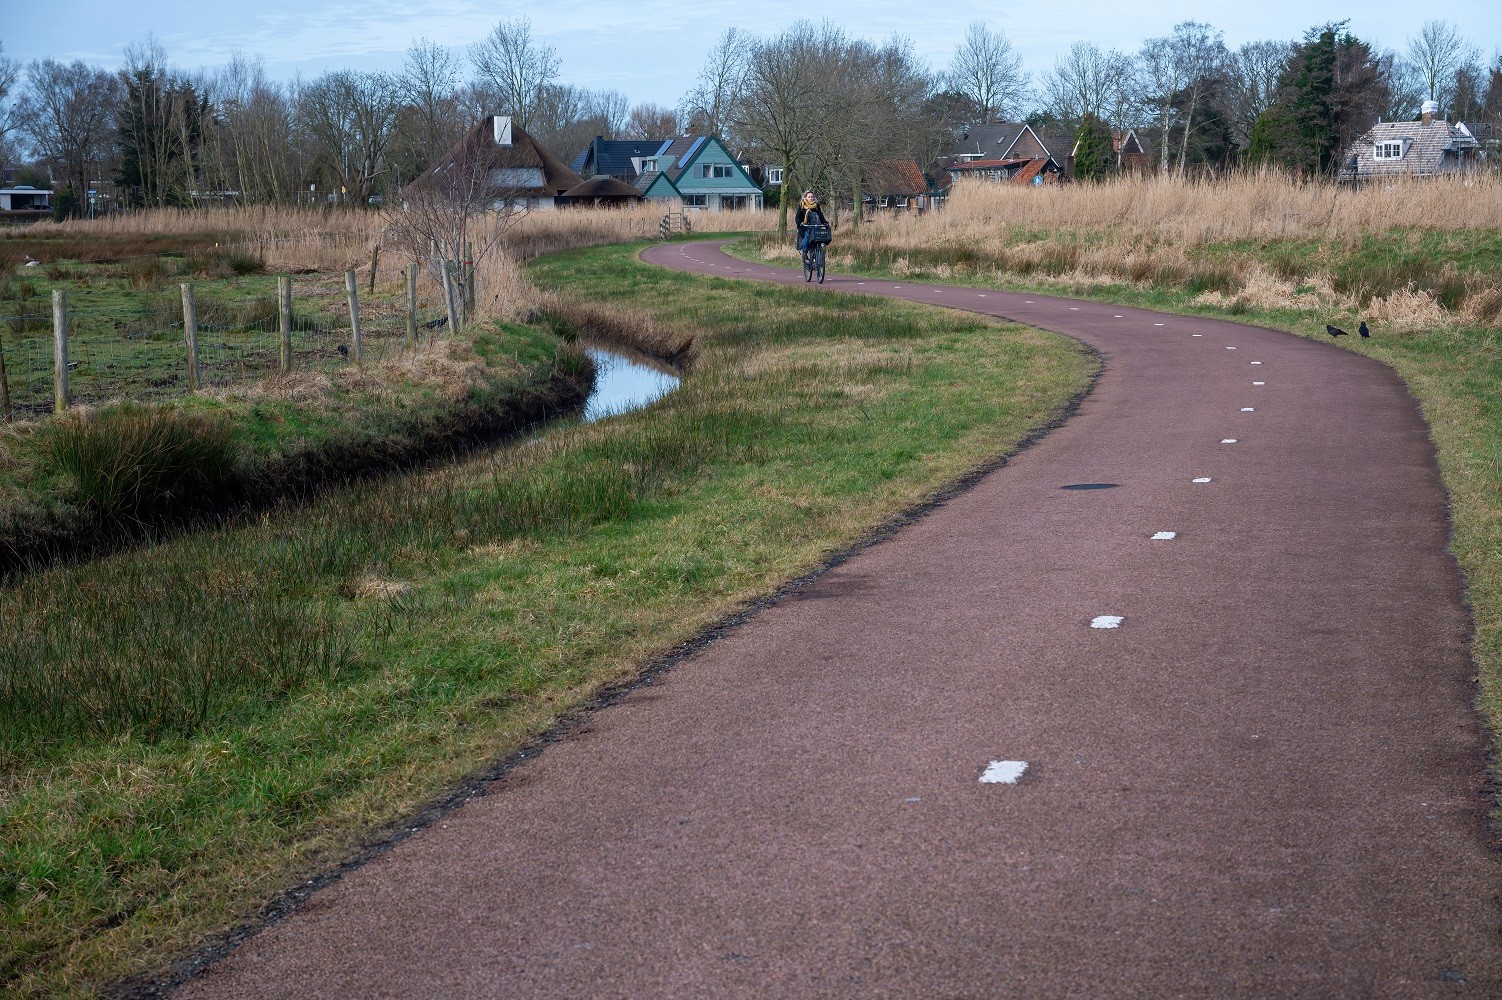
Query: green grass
[1453, 371]
[443, 619]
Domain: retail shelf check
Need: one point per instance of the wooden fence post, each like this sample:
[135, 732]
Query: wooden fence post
[352, 286]
[190, 331]
[4, 389]
[469, 281]
[375, 259]
[448, 296]
[412, 306]
[59, 351]
[284, 304]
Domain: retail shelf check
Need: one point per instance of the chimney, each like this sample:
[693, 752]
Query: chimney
[1430, 109]
[502, 125]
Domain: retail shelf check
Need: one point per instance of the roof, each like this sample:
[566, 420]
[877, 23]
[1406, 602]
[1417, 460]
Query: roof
[1015, 161]
[478, 146]
[981, 140]
[612, 157]
[899, 177]
[1027, 173]
[603, 187]
[1433, 148]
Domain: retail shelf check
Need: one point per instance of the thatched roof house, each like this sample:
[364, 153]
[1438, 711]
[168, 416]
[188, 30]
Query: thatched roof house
[601, 191]
[505, 165]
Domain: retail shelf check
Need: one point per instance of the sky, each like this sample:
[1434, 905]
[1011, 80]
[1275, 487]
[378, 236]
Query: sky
[651, 52]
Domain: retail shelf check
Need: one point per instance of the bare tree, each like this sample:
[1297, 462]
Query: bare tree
[649, 121]
[1436, 52]
[350, 118]
[429, 84]
[10, 76]
[513, 70]
[568, 117]
[713, 105]
[256, 149]
[68, 113]
[1252, 73]
[1088, 80]
[786, 110]
[989, 71]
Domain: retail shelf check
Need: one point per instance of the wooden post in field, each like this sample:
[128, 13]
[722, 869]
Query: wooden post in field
[190, 332]
[59, 351]
[469, 281]
[412, 306]
[448, 296]
[4, 391]
[284, 310]
[375, 259]
[352, 286]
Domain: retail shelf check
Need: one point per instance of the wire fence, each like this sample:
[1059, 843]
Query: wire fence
[134, 345]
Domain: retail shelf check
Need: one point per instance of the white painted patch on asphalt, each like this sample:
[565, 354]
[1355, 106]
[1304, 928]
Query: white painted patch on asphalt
[1230, 348]
[1117, 316]
[1030, 302]
[1074, 309]
[1259, 383]
[1192, 334]
[1201, 479]
[1003, 772]
[1248, 409]
[1164, 536]
[1106, 621]
[1227, 440]
[1157, 324]
[1256, 362]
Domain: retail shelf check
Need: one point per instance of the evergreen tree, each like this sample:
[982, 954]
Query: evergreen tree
[1094, 156]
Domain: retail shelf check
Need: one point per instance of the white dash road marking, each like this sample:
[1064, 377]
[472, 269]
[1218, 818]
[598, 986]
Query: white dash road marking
[1164, 536]
[1227, 440]
[1074, 309]
[1192, 334]
[1248, 409]
[1030, 302]
[1256, 362]
[1157, 324]
[1117, 316]
[1003, 772]
[1259, 383]
[1201, 479]
[1106, 621]
[1230, 348]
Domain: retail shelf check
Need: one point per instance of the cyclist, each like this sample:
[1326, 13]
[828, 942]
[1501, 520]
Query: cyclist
[813, 236]
[809, 214]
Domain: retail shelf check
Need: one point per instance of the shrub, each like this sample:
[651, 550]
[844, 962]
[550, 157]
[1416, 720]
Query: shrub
[135, 463]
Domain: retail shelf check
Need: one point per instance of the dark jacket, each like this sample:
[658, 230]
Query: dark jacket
[806, 217]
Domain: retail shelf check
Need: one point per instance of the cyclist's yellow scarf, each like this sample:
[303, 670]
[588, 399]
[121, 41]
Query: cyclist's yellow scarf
[810, 202]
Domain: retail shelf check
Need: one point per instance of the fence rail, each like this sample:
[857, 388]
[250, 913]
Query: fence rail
[153, 344]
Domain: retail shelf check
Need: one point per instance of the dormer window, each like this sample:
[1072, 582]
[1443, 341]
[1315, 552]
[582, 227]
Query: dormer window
[1389, 150]
[648, 166]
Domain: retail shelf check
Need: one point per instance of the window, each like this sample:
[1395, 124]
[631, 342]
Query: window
[1388, 150]
[517, 177]
[774, 175]
[648, 166]
[715, 170]
[695, 201]
[901, 201]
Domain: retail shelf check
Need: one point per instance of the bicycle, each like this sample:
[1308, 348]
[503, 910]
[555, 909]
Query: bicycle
[816, 238]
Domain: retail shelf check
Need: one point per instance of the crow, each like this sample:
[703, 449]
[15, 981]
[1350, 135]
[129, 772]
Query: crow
[1363, 330]
[344, 350]
[1335, 331]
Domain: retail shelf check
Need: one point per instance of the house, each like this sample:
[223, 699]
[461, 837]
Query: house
[1014, 152]
[1132, 155]
[898, 185]
[1426, 148]
[504, 164]
[601, 191]
[623, 159]
[24, 198]
[700, 172]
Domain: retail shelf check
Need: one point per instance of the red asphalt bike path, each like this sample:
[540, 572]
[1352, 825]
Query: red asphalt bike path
[1267, 781]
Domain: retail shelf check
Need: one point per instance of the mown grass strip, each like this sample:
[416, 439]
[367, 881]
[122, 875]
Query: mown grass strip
[1454, 372]
[447, 618]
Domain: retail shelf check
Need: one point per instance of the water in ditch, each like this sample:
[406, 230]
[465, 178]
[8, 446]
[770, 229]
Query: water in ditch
[625, 382]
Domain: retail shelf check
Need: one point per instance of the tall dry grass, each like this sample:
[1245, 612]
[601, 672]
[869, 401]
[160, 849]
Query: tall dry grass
[320, 239]
[1401, 252]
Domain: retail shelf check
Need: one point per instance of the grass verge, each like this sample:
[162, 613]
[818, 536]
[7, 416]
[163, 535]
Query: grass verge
[1451, 364]
[297, 683]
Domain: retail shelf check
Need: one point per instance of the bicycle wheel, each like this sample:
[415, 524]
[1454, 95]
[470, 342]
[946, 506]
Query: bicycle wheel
[819, 263]
[808, 266]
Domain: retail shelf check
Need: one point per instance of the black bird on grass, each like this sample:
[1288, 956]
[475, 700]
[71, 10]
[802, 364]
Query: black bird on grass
[344, 350]
[435, 324]
[1335, 331]
[1363, 330]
